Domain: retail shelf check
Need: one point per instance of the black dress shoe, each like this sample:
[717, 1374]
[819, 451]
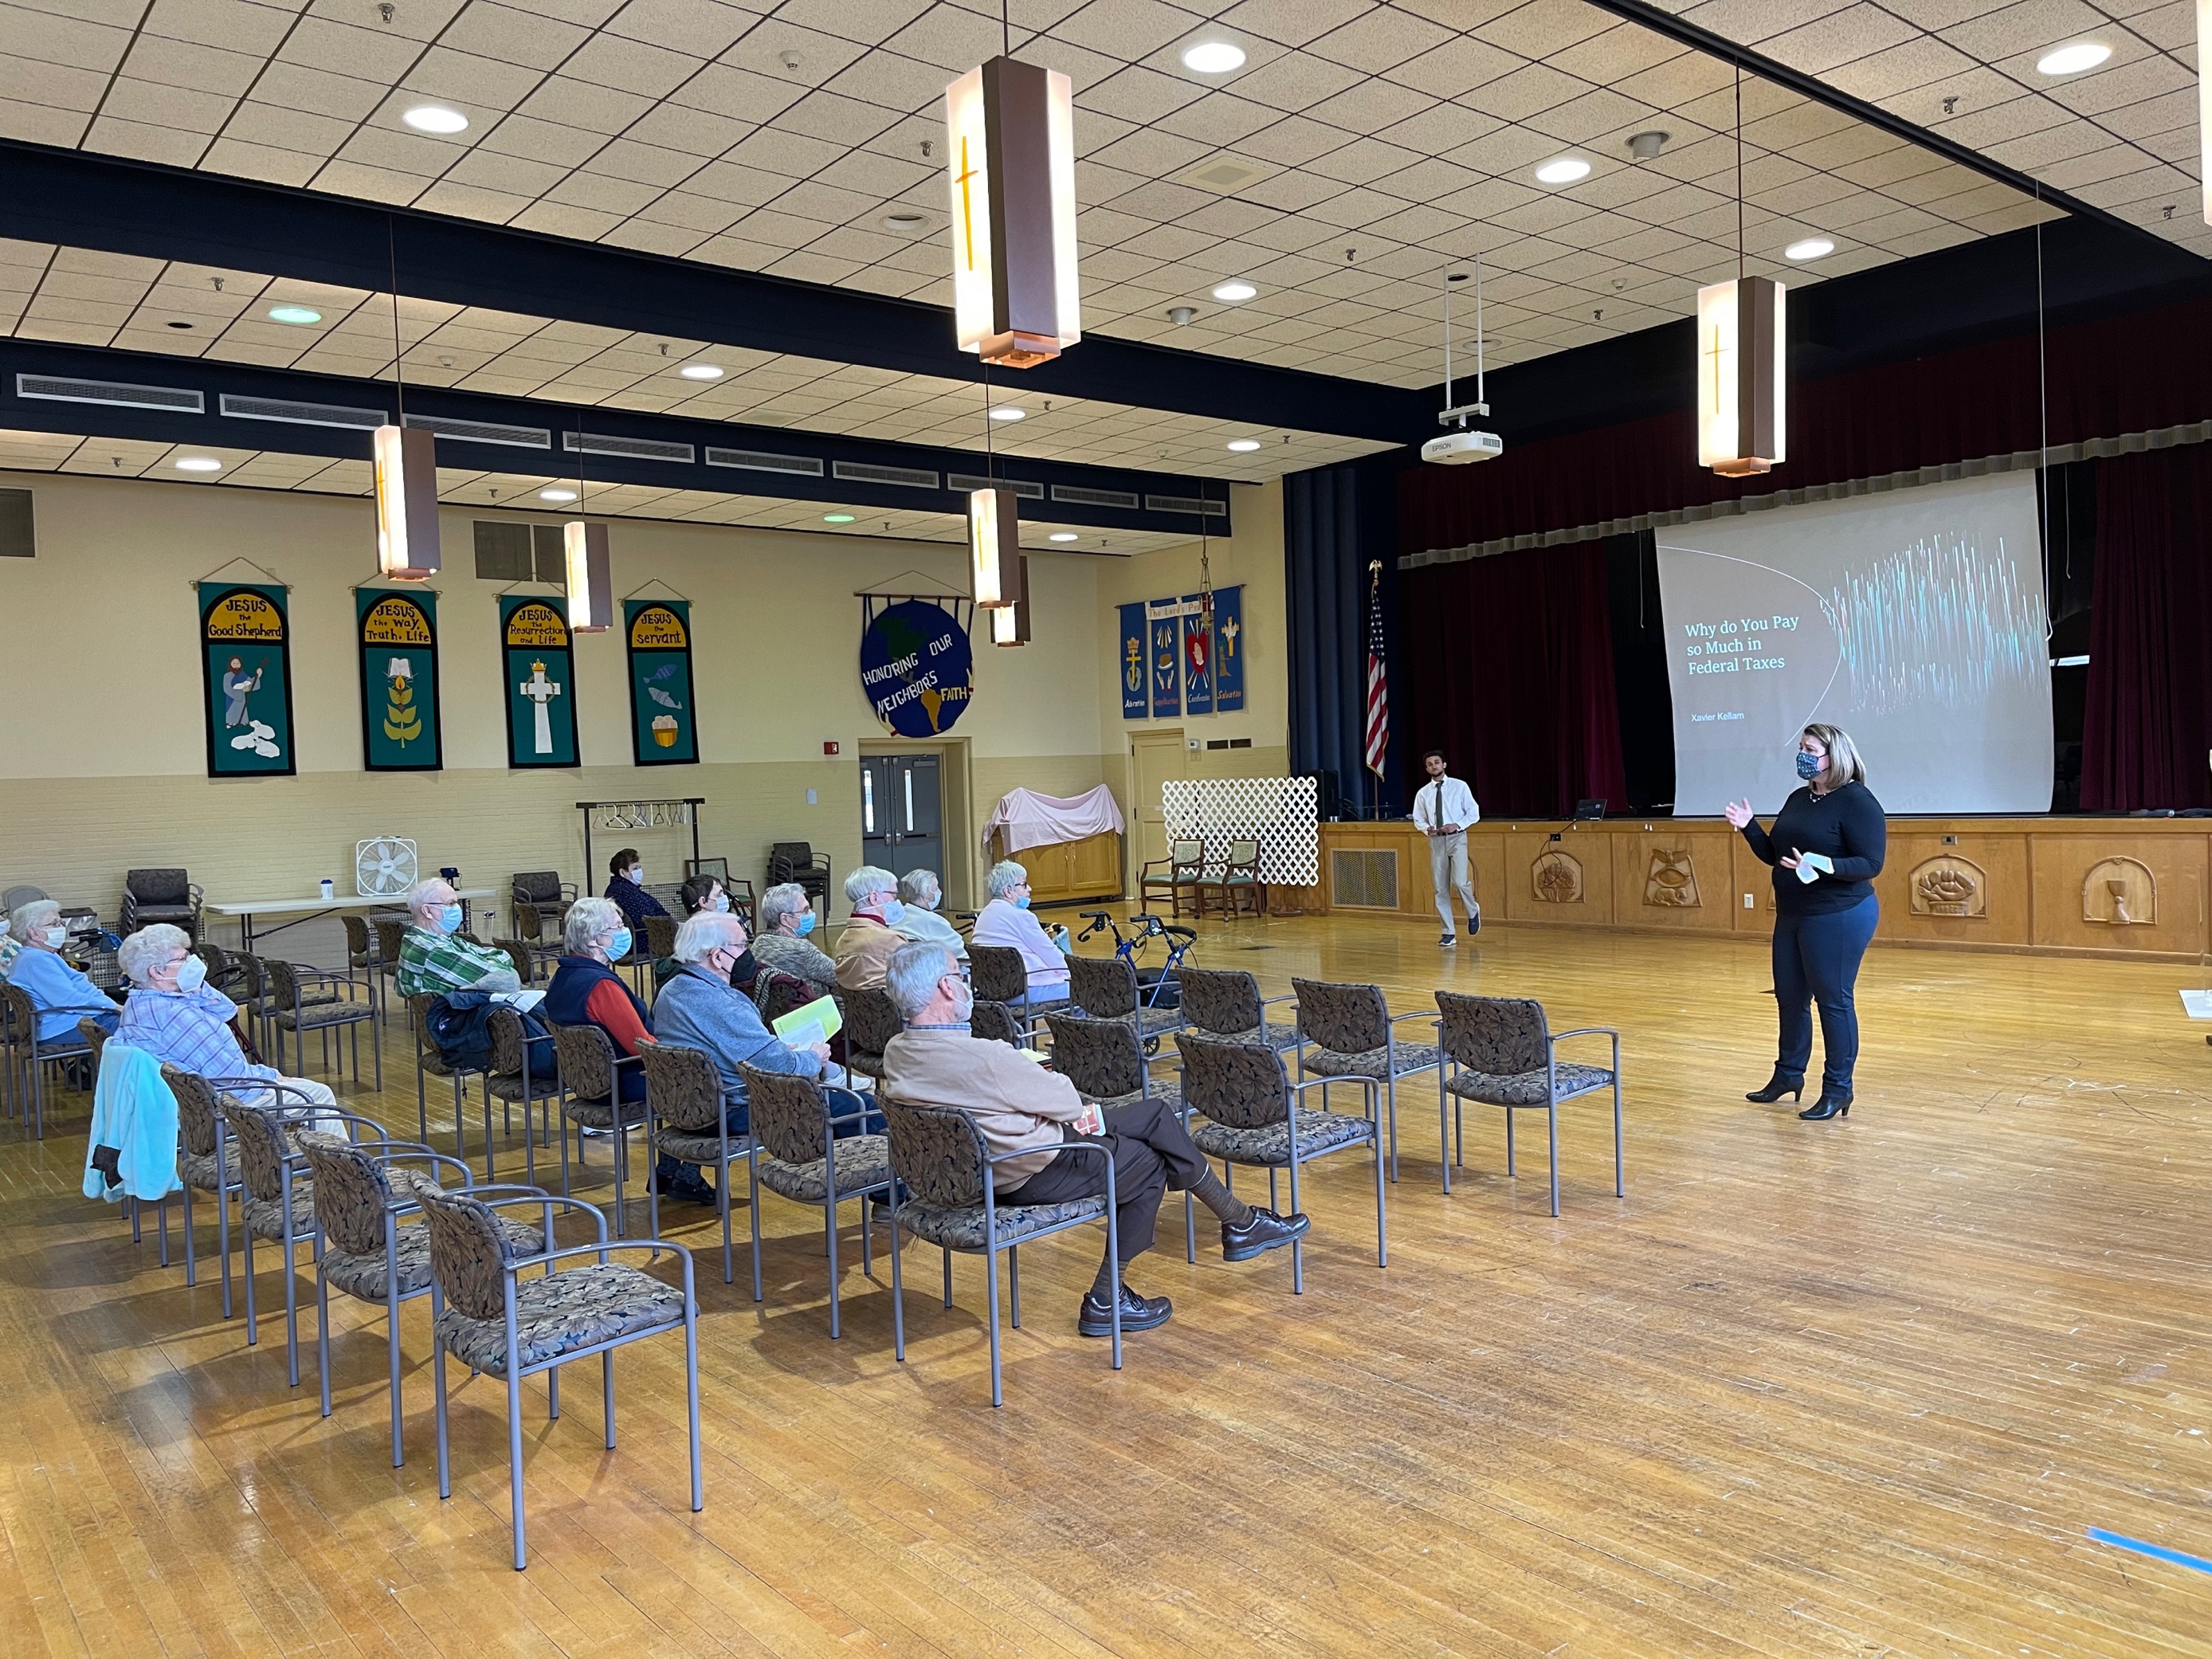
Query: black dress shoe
[1139, 1313]
[1265, 1231]
[1833, 1103]
[688, 1188]
[1779, 1085]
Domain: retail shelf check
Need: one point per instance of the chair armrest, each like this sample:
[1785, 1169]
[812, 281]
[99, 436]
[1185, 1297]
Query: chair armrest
[1065, 1146]
[1368, 1083]
[1587, 1030]
[382, 1135]
[77, 1008]
[1267, 1003]
[546, 1258]
[1417, 1013]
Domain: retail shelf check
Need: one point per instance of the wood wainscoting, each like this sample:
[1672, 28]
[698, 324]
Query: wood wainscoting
[2108, 887]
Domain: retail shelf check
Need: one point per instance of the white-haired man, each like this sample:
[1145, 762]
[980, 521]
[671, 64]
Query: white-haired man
[1020, 1107]
[175, 1015]
[433, 957]
[1006, 921]
[872, 934]
[700, 1009]
[921, 893]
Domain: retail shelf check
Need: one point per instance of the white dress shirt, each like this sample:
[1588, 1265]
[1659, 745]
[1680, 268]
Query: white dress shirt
[1457, 804]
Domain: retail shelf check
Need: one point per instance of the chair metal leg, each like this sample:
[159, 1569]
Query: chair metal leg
[1381, 1230]
[691, 1399]
[1298, 1245]
[991, 1287]
[323, 1337]
[514, 1462]
[192, 1257]
[1014, 1282]
[1510, 1170]
[161, 1225]
[753, 1178]
[898, 1301]
[1392, 1085]
[438, 1383]
[948, 1278]
[1619, 1164]
[1189, 1230]
[829, 1214]
[1444, 1131]
[1552, 1123]
[253, 1332]
[222, 1224]
[607, 1392]
[291, 1308]
[722, 1193]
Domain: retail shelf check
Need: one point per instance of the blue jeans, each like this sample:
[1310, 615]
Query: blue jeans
[1816, 960]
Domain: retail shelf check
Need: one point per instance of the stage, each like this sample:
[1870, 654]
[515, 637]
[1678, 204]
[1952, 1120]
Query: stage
[1852, 1389]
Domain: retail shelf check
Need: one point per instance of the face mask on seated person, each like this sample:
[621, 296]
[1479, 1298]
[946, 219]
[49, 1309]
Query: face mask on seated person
[1022, 901]
[56, 937]
[635, 873]
[449, 919]
[893, 913]
[191, 973]
[721, 903]
[618, 946]
[1808, 765]
[805, 924]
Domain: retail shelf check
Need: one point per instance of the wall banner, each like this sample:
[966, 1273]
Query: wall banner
[663, 727]
[1197, 657]
[917, 670]
[246, 662]
[399, 638]
[541, 682]
[1164, 617]
[1135, 705]
[1228, 650]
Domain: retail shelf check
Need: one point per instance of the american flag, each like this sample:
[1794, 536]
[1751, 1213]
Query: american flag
[1378, 677]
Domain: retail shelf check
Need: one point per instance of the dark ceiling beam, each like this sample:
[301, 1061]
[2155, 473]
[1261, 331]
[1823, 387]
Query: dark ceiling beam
[211, 378]
[1661, 21]
[153, 211]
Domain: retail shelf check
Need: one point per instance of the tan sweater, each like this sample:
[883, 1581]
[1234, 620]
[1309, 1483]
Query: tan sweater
[863, 948]
[1017, 1103]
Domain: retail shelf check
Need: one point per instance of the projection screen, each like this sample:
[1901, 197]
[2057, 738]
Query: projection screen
[1914, 619]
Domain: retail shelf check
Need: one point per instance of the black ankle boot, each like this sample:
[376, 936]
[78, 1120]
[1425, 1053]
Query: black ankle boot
[1781, 1083]
[1833, 1103]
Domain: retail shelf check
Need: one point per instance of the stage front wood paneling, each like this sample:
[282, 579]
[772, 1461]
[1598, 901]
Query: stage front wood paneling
[2116, 887]
[1066, 872]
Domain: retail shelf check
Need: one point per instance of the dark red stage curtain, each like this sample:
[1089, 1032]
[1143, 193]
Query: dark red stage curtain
[2131, 373]
[2148, 724]
[1511, 663]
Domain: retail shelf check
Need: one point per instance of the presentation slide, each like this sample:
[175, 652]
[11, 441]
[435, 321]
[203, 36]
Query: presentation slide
[1912, 619]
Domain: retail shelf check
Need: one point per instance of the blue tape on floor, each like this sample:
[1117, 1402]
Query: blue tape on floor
[2156, 1552]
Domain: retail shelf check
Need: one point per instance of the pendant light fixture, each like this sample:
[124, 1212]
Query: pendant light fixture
[2204, 102]
[1742, 358]
[1010, 162]
[994, 531]
[1010, 623]
[406, 462]
[590, 575]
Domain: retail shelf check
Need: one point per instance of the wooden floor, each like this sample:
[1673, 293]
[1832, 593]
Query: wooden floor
[1850, 1389]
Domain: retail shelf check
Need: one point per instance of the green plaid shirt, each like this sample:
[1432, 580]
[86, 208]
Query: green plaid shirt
[433, 963]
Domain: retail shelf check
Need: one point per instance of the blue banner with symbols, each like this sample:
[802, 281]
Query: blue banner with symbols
[1167, 662]
[1135, 705]
[1228, 662]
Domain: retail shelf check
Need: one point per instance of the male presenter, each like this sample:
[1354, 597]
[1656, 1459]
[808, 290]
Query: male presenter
[1443, 810]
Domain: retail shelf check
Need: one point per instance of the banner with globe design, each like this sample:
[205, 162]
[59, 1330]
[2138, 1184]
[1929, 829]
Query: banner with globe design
[245, 662]
[400, 728]
[917, 670]
[663, 725]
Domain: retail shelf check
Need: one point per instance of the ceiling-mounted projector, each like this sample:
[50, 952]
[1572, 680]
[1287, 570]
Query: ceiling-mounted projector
[1462, 446]
[1458, 448]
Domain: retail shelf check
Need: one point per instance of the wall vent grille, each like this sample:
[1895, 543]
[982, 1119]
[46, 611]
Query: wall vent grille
[59, 389]
[910, 478]
[641, 449]
[964, 481]
[290, 413]
[1363, 879]
[483, 431]
[761, 461]
[1084, 495]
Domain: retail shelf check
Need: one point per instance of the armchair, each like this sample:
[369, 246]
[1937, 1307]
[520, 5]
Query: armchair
[1178, 876]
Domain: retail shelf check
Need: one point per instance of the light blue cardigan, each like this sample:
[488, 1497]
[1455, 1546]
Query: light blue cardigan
[134, 1112]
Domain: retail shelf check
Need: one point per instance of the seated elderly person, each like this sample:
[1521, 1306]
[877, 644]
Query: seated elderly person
[1006, 921]
[626, 887]
[586, 990]
[785, 919]
[1020, 1107]
[700, 1008]
[434, 957]
[11, 946]
[704, 894]
[921, 892]
[175, 1015]
[871, 933]
[60, 992]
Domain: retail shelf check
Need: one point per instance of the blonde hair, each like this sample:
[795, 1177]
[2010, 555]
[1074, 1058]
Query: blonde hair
[1844, 762]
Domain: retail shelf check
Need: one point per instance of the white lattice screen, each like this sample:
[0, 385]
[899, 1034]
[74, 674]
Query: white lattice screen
[1282, 814]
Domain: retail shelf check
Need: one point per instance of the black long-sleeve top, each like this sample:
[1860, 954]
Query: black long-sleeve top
[1846, 826]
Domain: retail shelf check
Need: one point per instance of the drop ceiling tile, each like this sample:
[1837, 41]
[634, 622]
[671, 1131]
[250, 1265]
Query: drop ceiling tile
[2026, 26]
[1295, 82]
[1218, 118]
[1362, 160]
[322, 42]
[1525, 92]
[112, 134]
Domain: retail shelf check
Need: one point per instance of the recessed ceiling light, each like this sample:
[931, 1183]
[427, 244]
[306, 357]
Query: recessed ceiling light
[1813, 247]
[1244, 445]
[199, 464]
[2072, 57]
[1236, 292]
[1213, 57]
[1061, 536]
[700, 370]
[299, 316]
[1008, 412]
[435, 118]
[1563, 171]
[906, 222]
[556, 493]
[837, 517]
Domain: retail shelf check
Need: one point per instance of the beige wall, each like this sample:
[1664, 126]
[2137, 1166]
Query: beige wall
[103, 750]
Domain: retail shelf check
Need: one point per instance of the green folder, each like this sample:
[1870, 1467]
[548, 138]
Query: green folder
[817, 1021]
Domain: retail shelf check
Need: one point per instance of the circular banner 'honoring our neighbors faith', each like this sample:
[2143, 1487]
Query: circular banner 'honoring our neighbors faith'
[916, 667]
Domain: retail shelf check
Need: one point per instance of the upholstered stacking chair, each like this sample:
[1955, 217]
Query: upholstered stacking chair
[152, 896]
[998, 974]
[660, 941]
[206, 1162]
[362, 1195]
[1105, 1062]
[365, 956]
[296, 1010]
[95, 1040]
[1175, 878]
[1105, 987]
[525, 1073]
[591, 1079]
[1348, 1030]
[685, 1119]
[994, 1022]
[278, 1194]
[495, 1321]
[871, 1022]
[33, 1054]
[941, 1192]
[429, 1063]
[524, 959]
[548, 897]
[1502, 1053]
[1225, 1002]
[391, 935]
[810, 1155]
[1244, 1109]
